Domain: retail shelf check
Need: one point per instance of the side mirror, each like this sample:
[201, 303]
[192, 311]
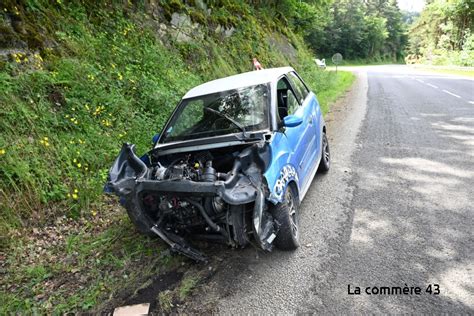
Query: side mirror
[155, 138]
[292, 121]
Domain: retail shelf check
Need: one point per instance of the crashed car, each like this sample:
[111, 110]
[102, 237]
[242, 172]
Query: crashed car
[232, 164]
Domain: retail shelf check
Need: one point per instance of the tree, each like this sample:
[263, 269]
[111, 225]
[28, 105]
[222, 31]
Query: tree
[361, 29]
[440, 33]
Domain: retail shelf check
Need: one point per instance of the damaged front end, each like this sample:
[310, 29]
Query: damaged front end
[218, 194]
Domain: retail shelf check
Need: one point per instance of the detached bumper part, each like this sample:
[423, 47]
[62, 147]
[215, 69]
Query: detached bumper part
[179, 245]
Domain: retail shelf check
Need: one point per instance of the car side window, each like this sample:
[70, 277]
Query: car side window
[301, 90]
[287, 102]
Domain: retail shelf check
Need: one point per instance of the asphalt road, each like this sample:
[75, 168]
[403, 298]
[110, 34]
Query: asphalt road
[396, 210]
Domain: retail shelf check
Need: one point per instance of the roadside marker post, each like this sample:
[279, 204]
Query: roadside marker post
[336, 59]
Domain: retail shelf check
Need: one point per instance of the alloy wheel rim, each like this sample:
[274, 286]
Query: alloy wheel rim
[326, 151]
[293, 217]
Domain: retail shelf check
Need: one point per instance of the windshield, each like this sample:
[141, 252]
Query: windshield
[233, 111]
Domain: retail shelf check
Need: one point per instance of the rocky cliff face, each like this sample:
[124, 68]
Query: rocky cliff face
[28, 31]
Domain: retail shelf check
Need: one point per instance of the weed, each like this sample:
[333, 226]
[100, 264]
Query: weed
[188, 283]
[165, 300]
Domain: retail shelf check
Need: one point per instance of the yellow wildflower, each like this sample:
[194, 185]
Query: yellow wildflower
[94, 212]
[120, 76]
[2, 152]
[79, 165]
[75, 196]
[74, 160]
[76, 191]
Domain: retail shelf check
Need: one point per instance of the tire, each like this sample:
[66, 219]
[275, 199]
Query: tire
[141, 221]
[287, 214]
[325, 162]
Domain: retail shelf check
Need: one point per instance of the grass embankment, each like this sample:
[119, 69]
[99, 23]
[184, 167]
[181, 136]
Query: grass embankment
[340, 82]
[94, 76]
[452, 70]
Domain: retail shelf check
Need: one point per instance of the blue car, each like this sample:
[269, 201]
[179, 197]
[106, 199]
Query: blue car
[232, 164]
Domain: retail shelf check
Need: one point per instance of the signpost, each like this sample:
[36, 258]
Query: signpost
[336, 59]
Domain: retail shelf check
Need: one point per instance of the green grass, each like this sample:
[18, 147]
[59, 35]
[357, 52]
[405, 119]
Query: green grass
[466, 71]
[80, 272]
[165, 299]
[368, 62]
[188, 283]
[64, 112]
[338, 83]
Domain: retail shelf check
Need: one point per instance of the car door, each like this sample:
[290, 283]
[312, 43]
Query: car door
[298, 137]
[311, 116]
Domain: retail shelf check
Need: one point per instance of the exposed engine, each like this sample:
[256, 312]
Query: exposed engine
[217, 195]
[188, 168]
[181, 212]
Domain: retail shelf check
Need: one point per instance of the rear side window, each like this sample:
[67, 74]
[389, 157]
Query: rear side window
[300, 88]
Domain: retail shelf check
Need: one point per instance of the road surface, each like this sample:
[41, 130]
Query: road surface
[396, 210]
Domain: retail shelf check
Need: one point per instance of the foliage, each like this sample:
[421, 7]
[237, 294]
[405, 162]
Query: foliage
[443, 34]
[370, 29]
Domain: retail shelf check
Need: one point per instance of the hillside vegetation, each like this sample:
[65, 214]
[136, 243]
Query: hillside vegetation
[370, 30]
[78, 78]
[443, 34]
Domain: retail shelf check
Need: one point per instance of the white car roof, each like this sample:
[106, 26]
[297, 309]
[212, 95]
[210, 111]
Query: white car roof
[245, 79]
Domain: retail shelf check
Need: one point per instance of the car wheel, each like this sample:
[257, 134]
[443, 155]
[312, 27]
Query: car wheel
[141, 221]
[286, 213]
[325, 156]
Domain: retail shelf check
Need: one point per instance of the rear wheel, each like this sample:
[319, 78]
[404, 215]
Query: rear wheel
[325, 155]
[286, 213]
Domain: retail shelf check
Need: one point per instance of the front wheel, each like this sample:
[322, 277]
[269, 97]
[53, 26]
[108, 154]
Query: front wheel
[325, 162]
[286, 213]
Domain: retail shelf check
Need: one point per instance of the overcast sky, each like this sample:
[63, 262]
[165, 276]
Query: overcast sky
[411, 5]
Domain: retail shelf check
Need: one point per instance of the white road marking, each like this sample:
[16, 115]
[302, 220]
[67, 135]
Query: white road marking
[472, 102]
[454, 95]
[432, 85]
[419, 80]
